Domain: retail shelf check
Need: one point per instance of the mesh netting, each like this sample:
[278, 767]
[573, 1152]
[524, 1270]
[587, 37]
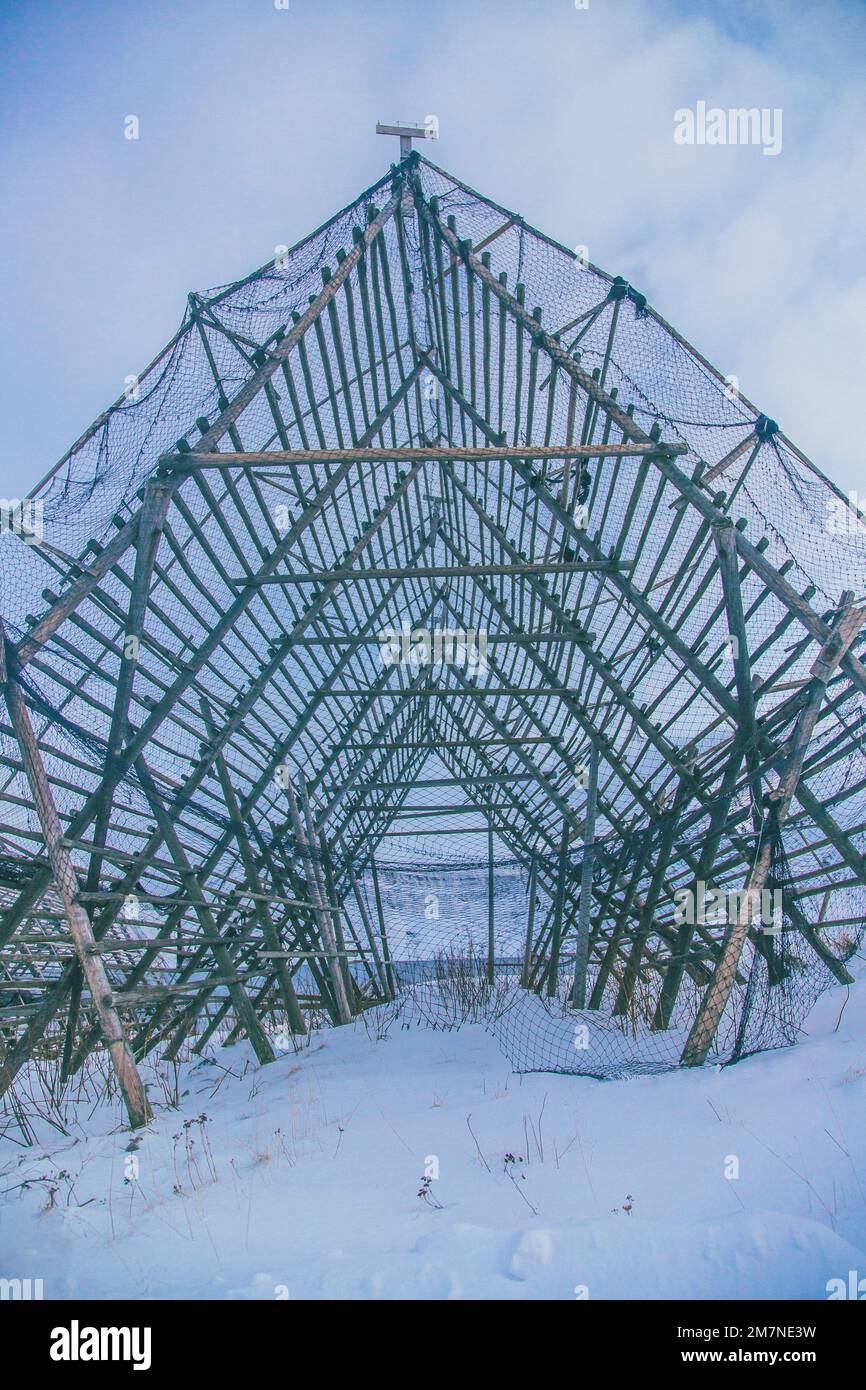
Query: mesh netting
[614, 642]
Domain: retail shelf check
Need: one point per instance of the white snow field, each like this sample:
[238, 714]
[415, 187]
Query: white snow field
[303, 1180]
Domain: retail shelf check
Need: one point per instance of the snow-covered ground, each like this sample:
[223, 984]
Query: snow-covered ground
[302, 1179]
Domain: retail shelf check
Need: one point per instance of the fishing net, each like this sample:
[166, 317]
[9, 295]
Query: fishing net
[518, 617]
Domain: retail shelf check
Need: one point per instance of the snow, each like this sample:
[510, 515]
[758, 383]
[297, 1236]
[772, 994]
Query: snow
[303, 1180]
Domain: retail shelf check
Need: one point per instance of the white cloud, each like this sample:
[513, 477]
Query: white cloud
[257, 123]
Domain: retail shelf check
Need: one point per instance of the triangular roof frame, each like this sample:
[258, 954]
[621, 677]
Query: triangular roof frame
[440, 458]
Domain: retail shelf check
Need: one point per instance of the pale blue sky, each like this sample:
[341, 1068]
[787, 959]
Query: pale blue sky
[257, 123]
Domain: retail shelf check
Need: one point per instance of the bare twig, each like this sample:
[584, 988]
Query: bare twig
[477, 1145]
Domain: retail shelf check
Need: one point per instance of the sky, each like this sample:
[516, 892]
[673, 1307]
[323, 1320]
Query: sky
[256, 122]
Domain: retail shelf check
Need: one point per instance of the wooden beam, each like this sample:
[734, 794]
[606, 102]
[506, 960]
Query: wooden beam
[80, 928]
[491, 933]
[718, 992]
[261, 900]
[433, 453]
[360, 576]
[581, 959]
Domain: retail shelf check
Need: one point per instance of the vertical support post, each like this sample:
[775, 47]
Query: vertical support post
[329, 945]
[719, 989]
[631, 974]
[66, 883]
[491, 945]
[270, 935]
[581, 959]
[530, 922]
[157, 496]
[368, 930]
[712, 1006]
[556, 935]
[243, 1005]
[324, 877]
[380, 913]
[682, 943]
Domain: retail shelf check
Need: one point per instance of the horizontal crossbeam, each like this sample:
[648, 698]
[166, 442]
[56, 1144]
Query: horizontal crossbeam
[359, 576]
[433, 453]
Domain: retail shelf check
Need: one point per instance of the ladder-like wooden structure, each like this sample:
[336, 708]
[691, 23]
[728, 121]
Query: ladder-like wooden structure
[202, 747]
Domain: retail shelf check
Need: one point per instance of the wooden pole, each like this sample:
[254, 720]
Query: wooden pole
[261, 908]
[324, 878]
[380, 913]
[80, 927]
[559, 903]
[581, 960]
[718, 991]
[368, 930]
[530, 922]
[329, 945]
[491, 945]
[226, 968]
[434, 453]
[663, 852]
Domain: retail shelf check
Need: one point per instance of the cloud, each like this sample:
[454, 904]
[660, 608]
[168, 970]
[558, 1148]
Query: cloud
[257, 124]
